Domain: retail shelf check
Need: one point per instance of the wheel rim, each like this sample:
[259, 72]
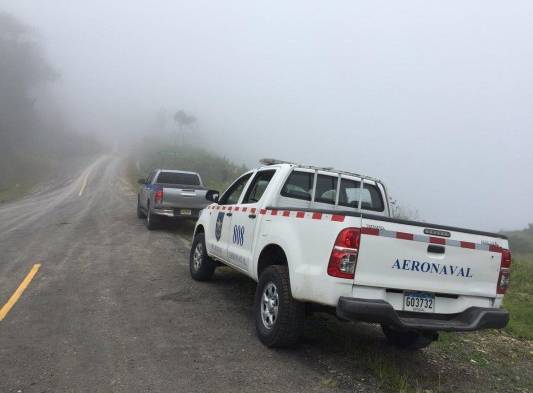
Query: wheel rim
[198, 256]
[269, 305]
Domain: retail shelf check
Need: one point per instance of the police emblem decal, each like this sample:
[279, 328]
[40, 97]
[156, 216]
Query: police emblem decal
[218, 226]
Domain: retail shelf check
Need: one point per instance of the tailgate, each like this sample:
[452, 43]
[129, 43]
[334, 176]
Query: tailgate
[417, 257]
[191, 198]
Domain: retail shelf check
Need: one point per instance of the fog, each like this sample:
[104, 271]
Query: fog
[435, 99]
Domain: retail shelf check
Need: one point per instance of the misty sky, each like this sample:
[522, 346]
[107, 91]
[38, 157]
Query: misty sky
[435, 98]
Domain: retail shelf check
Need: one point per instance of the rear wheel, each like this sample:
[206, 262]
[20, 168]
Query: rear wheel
[200, 265]
[409, 339]
[152, 220]
[140, 213]
[279, 318]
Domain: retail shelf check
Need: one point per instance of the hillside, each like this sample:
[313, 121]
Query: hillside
[35, 139]
[217, 172]
[521, 241]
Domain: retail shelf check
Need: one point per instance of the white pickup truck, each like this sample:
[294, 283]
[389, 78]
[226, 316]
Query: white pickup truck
[318, 238]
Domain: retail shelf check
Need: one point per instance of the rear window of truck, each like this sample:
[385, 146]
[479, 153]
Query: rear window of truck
[350, 192]
[189, 179]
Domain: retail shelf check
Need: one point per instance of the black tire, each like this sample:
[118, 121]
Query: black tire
[286, 330]
[201, 269]
[152, 220]
[409, 339]
[140, 213]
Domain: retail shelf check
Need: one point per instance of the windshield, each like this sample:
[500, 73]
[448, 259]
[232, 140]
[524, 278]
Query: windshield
[190, 179]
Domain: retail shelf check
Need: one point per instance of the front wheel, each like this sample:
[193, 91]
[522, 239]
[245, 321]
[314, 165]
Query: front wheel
[200, 265]
[409, 339]
[279, 318]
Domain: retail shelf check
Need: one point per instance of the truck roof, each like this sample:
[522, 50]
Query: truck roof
[177, 171]
[274, 161]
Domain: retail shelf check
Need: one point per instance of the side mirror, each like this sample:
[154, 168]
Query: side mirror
[141, 181]
[212, 195]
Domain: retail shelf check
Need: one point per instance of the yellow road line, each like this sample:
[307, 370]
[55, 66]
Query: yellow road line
[84, 184]
[18, 293]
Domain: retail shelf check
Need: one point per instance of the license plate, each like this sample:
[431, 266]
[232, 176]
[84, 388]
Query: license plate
[185, 212]
[419, 301]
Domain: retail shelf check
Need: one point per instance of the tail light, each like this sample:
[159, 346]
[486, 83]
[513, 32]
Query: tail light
[505, 272]
[158, 196]
[344, 254]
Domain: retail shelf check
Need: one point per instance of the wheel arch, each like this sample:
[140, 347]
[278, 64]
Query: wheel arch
[199, 229]
[271, 254]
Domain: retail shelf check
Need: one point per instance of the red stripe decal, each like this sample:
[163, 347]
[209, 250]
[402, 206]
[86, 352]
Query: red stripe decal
[337, 217]
[262, 211]
[223, 207]
[404, 236]
[252, 210]
[370, 231]
[300, 214]
[230, 207]
[317, 216]
[274, 212]
[236, 208]
[437, 240]
[468, 245]
[286, 213]
[244, 209]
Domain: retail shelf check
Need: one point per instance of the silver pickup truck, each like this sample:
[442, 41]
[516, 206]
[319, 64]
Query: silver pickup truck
[171, 193]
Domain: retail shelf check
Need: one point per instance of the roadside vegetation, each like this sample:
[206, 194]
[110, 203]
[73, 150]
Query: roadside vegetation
[217, 172]
[519, 299]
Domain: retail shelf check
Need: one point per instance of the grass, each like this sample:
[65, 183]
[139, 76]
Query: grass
[16, 191]
[356, 357]
[519, 298]
[23, 171]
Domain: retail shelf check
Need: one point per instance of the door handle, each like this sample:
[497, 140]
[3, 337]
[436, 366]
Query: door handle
[436, 249]
[229, 214]
[252, 216]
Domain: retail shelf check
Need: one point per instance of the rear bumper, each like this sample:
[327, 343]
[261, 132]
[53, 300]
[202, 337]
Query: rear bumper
[379, 311]
[176, 212]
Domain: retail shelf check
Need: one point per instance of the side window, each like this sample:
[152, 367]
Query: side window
[232, 194]
[299, 185]
[326, 189]
[350, 191]
[258, 186]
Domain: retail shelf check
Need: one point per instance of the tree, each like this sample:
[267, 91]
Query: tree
[183, 120]
[23, 70]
